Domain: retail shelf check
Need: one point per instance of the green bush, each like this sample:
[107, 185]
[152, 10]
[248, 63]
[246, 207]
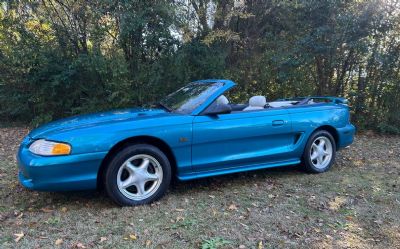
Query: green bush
[73, 57]
[388, 129]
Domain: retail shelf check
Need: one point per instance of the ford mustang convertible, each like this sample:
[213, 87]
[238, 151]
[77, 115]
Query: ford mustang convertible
[192, 133]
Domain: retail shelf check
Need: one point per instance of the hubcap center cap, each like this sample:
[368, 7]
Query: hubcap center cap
[140, 176]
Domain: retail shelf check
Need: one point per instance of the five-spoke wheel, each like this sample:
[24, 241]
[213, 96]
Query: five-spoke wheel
[138, 174]
[319, 153]
[139, 177]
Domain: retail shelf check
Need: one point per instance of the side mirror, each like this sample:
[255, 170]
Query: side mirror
[217, 109]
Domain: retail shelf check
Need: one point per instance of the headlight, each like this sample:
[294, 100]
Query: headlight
[49, 148]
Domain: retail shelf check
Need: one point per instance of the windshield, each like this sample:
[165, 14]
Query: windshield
[189, 97]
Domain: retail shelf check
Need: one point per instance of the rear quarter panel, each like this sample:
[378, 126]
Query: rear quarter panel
[306, 119]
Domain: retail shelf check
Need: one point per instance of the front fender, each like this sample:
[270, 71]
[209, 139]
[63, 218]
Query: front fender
[175, 131]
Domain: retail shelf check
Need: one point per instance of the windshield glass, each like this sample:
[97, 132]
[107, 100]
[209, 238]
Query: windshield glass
[189, 97]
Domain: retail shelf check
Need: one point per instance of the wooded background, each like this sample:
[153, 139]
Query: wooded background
[59, 58]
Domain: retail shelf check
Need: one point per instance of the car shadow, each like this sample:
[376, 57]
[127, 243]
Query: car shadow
[248, 177]
[98, 198]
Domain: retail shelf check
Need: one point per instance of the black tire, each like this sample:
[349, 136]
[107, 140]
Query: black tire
[307, 162]
[111, 174]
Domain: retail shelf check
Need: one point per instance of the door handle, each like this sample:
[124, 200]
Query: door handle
[278, 122]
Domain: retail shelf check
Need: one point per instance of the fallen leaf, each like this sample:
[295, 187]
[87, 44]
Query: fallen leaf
[47, 210]
[133, 236]
[80, 245]
[232, 207]
[103, 239]
[260, 245]
[148, 243]
[244, 225]
[18, 236]
[179, 209]
[58, 242]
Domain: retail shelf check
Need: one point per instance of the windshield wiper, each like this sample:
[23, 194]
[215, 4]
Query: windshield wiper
[165, 107]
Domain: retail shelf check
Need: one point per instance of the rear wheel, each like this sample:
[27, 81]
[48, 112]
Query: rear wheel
[138, 174]
[320, 152]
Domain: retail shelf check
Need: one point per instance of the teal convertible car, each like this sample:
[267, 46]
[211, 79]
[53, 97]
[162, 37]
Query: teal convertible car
[194, 132]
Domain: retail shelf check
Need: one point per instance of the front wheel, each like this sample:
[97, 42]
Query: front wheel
[138, 174]
[320, 152]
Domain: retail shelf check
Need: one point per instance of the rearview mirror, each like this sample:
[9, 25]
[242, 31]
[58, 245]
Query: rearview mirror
[217, 109]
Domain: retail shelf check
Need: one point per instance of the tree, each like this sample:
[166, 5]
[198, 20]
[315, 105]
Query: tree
[60, 57]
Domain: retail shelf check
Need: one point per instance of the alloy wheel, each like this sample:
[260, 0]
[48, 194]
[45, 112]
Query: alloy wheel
[139, 177]
[321, 152]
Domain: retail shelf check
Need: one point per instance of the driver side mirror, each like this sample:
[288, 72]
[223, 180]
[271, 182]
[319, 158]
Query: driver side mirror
[217, 109]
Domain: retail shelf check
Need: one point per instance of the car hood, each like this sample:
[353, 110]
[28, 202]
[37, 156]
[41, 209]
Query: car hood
[87, 120]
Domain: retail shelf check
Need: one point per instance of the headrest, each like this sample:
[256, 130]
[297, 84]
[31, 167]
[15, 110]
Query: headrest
[222, 100]
[257, 101]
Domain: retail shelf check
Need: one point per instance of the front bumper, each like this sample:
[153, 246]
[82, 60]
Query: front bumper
[58, 173]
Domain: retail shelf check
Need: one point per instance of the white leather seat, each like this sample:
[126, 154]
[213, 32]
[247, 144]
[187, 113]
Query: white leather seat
[256, 103]
[222, 100]
[281, 103]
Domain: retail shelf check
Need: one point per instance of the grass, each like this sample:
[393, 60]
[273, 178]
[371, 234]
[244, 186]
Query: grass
[355, 205]
[214, 243]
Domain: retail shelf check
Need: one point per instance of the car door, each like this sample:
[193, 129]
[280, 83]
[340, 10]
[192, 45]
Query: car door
[241, 139]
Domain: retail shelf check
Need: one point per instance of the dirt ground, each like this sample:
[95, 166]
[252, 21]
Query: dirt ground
[354, 205]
